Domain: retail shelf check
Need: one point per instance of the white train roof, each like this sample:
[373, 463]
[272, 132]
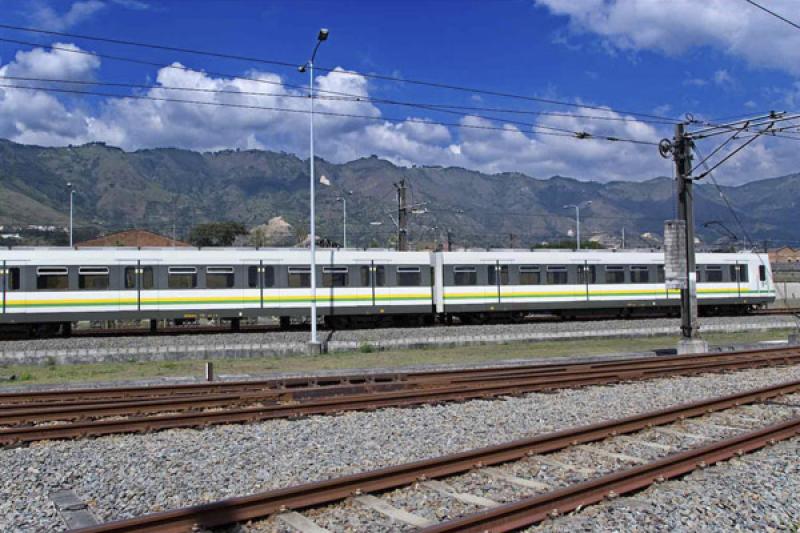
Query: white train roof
[228, 256]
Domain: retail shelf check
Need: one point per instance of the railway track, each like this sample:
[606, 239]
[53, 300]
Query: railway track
[95, 412]
[528, 480]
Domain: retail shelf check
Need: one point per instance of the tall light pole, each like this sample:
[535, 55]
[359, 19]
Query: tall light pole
[343, 199]
[71, 196]
[578, 221]
[313, 343]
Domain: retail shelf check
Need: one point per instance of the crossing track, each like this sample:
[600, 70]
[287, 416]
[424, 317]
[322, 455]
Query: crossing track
[94, 412]
[519, 513]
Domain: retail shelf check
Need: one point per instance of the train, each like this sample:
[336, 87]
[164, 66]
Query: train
[46, 289]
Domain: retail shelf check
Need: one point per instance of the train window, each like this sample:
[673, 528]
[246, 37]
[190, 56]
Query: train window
[503, 278]
[762, 273]
[529, 275]
[334, 276]
[660, 276]
[299, 277]
[587, 274]
[93, 278]
[742, 271]
[219, 277]
[12, 279]
[52, 278]
[557, 275]
[409, 277]
[713, 274]
[465, 275]
[640, 274]
[615, 274]
[182, 278]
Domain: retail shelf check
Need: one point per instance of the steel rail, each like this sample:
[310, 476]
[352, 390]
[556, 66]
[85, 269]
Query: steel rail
[238, 509]
[154, 391]
[535, 509]
[403, 398]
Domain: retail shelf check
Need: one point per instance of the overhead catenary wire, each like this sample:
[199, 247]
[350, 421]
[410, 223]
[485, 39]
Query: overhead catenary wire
[337, 71]
[332, 95]
[773, 13]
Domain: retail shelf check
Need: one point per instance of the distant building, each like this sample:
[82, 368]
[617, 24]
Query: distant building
[786, 254]
[132, 237]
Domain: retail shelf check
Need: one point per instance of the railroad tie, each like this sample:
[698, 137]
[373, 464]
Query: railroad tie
[380, 506]
[299, 522]
[565, 466]
[74, 511]
[446, 490]
[612, 455]
[514, 480]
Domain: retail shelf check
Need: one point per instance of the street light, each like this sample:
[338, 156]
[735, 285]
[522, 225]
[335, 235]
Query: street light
[343, 199]
[313, 343]
[578, 221]
[71, 195]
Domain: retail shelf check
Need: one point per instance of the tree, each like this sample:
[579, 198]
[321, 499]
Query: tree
[216, 233]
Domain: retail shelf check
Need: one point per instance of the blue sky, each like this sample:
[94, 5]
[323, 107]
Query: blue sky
[715, 59]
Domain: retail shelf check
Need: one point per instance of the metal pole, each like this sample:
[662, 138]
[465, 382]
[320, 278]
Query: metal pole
[312, 214]
[683, 165]
[344, 223]
[578, 227]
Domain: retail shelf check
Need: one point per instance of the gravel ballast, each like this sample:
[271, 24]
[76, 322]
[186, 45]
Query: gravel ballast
[128, 475]
[279, 343]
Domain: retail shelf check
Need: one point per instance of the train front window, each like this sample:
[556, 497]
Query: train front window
[93, 278]
[334, 276]
[640, 274]
[465, 276]
[299, 277]
[557, 275]
[182, 278]
[493, 277]
[529, 275]
[409, 277]
[52, 278]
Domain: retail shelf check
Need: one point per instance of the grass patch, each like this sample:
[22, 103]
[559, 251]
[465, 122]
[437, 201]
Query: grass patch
[365, 357]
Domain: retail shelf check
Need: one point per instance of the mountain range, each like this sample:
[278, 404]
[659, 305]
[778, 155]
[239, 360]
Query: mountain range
[171, 190]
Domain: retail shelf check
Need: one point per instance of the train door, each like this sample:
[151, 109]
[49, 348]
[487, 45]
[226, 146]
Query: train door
[3, 282]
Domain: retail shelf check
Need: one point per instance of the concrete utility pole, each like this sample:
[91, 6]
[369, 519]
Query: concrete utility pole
[682, 154]
[313, 345]
[71, 197]
[449, 241]
[402, 216]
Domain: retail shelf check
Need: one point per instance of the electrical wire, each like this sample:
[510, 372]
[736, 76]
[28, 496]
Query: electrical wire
[774, 14]
[558, 132]
[336, 71]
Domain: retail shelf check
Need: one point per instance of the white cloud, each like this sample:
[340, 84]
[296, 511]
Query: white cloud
[678, 25]
[41, 118]
[47, 17]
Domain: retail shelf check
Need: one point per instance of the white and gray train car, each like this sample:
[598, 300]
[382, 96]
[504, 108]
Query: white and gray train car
[44, 289]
